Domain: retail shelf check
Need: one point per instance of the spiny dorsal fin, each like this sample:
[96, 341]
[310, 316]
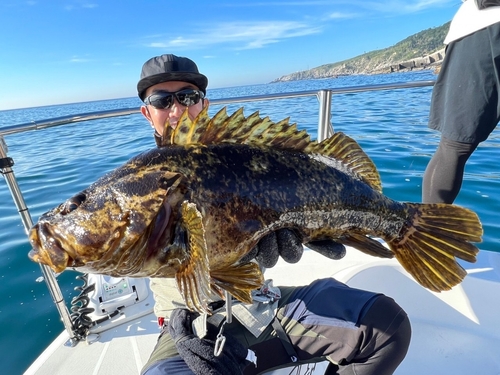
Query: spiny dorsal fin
[235, 129]
[259, 131]
[346, 150]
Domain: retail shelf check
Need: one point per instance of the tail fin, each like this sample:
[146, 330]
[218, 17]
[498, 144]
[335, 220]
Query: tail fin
[436, 234]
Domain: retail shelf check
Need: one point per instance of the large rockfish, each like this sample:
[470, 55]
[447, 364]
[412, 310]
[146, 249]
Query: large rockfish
[194, 207]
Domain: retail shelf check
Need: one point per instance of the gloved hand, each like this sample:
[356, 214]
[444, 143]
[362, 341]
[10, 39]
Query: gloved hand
[199, 353]
[328, 248]
[180, 325]
[287, 244]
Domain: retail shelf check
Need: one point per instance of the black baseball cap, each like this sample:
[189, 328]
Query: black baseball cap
[169, 67]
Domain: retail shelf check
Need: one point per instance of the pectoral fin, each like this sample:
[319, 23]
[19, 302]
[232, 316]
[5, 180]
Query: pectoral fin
[193, 276]
[196, 282]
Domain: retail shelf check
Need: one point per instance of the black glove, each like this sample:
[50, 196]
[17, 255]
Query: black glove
[328, 248]
[287, 244]
[199, 353]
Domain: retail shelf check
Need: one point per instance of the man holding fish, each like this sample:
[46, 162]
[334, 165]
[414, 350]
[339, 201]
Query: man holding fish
[222, 197]
[359, 332]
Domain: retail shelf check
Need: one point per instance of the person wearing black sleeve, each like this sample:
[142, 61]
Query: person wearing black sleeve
[465, 103]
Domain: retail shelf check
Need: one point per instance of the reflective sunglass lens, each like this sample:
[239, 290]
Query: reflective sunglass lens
[164, 100]
[188, 97]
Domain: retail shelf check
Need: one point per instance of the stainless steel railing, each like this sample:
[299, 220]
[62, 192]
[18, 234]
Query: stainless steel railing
[325, 129]
[324, 97]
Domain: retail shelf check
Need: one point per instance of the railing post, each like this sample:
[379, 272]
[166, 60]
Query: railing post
[325, 128]
[48, 275]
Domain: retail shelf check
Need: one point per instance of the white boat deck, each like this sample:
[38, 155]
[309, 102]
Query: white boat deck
[455, 332]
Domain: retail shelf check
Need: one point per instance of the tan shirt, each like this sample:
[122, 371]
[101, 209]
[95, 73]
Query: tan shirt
[255, 317]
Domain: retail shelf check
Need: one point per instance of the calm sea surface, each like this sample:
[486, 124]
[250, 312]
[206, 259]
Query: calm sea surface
[53, 164]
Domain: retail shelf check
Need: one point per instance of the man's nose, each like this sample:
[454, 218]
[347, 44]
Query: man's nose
[177, 109]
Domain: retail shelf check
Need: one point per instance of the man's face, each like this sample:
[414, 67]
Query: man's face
[158, 117]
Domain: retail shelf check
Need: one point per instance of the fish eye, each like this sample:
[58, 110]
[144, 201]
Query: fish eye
[72, 203]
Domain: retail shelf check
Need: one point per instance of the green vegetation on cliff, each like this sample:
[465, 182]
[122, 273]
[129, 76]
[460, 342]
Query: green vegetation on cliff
[425, 43]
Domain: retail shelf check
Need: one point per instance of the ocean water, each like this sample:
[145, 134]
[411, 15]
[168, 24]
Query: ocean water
[53, 164]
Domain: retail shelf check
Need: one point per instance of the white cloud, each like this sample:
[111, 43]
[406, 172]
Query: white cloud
[76, 59]
[381, 5]
[79, 5]
[177, 42]
[307, 3]
[241, 35]
[341, 15]
[399, 6]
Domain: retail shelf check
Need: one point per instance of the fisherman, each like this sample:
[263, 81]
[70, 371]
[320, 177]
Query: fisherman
[465, 102]
[357, 331]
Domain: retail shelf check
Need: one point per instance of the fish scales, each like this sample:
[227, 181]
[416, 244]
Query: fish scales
[194, 207]
[266, 189]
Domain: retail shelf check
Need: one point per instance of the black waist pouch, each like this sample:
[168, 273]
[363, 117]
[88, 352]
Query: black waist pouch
[483, 4]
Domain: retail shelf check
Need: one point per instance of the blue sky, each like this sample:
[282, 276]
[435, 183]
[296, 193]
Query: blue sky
[56, 51]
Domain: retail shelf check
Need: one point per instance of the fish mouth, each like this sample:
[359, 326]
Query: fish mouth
[47, 249]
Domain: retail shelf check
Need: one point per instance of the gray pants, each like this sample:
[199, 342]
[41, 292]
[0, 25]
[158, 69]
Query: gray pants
[465, 104]
[359, 332]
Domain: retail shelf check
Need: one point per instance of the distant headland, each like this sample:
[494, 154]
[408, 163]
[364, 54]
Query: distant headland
[424, 50]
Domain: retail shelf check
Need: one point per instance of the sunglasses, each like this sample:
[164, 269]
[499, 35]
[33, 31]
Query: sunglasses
[165, 99]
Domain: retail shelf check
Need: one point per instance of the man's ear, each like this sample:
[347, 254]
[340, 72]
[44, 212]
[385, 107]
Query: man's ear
[206, 103]
[146, 114]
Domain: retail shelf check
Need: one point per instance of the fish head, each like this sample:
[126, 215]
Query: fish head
[112, 227]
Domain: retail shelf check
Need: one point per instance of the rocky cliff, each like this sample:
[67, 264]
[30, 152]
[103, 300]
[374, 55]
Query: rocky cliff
[424, 50]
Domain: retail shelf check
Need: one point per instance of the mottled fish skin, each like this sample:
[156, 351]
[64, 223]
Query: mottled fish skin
[193, 208]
